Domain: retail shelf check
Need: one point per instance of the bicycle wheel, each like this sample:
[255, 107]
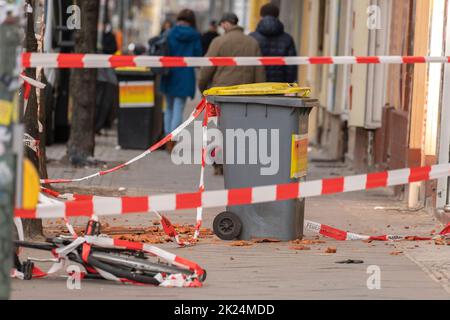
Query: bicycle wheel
[122, 273]
[139, 264]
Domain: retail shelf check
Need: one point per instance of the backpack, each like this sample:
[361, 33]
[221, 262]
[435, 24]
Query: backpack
[159, 46]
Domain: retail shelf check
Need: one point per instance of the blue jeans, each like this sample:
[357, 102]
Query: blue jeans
[173, 116]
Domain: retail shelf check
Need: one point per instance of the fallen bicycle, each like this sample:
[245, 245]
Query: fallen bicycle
[110, 259]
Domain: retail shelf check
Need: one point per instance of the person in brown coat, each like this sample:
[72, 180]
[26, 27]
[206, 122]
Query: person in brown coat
[234, 43]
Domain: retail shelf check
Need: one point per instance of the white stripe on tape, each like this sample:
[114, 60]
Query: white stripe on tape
[163, 202]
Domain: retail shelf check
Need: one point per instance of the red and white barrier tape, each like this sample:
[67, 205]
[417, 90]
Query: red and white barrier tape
[71, 60]
[31, 143]
[167, 226]
[324, 230]
[45, 199]
[194, 115]
[28, 84]
[342, 235]
[233, 197]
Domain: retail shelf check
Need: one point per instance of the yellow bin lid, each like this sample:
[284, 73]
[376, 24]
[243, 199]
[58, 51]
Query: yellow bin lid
[268, 88]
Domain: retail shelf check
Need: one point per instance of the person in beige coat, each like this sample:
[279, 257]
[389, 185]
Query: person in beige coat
[234, 43]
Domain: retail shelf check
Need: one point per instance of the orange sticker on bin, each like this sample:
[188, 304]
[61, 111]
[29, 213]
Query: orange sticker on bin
[299, 156]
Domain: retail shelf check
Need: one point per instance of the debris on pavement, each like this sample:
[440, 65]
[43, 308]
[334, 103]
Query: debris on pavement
[265, 240]
[300, 248]
[350, 261]
[307, 242]
[242, 243]
[331, 250]
[150, 235]
[440, 242]
[396, 253]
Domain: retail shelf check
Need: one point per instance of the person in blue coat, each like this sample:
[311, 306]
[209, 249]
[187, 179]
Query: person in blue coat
[180, 83]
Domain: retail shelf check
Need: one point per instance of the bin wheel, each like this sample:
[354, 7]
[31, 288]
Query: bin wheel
[227, 226]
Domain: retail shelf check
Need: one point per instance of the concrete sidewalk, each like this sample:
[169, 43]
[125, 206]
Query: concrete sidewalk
[265, 271]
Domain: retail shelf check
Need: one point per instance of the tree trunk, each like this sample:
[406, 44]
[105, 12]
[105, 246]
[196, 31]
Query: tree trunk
[33, 228]
[83, 88]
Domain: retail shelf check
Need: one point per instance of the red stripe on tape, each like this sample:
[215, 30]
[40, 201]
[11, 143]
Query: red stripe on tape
[168, 227]
[218, 61]
[379, 238]
[102, 173]
[80, 197]
[85, 252]
[321, 60]
[50, 192]
[335, 185]
[287, 191]
[188, 200]
[367, 59]
[26, 60]
[128, 244]
[27, 91]
[272, 61]
[333, 233]
[173, 62]
[133, 205]
[414, 59]
[38, 273]
[376, 180]
[79, 208]
[74, 60]
[419, 174]
[122, 61]
[50, 181]
[161, 143]
[239, 196]
[25, 213]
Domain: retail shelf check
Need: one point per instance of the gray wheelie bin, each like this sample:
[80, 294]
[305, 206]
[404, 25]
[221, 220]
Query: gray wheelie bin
[263, 115]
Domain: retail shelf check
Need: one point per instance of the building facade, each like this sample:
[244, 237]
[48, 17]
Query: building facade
[379, 116]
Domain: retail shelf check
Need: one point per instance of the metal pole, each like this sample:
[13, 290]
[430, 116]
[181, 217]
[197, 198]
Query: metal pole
[443, 189]
[11, 154]
[7, 190]
[10, 144]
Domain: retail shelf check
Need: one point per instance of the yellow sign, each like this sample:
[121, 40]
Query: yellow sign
[6, 112]
[136, 94]
[299, 156]
[31, 186]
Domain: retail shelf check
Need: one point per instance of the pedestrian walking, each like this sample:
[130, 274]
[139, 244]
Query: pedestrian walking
[275, 42]
[209, 36]
[107, 91]
[179, 83]
[234, 43]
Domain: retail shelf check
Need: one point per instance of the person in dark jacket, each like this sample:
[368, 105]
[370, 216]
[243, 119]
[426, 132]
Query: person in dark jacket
[274, 42]
[180, 83]
[107, 92]
[209, 36]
